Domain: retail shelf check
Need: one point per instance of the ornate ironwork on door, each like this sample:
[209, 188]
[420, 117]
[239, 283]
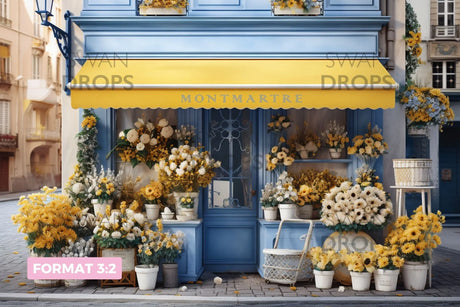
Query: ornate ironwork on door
[230, 142]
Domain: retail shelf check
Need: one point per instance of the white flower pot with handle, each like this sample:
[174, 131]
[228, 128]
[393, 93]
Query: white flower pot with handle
[386, 280]
[414, 275]
[360, 281]
[323, 279]
[288, 211]
[146, 276]
[270, 213]
[153, 211]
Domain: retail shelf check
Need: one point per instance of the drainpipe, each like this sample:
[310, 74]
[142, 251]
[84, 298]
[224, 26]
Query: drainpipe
[390, 10]
[383, 32]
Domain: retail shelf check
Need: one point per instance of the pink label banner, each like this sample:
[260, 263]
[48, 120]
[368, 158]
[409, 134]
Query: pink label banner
[74, 268]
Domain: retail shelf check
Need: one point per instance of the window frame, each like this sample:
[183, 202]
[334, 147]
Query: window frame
[445, 13]
[444, 74]
[5, 107]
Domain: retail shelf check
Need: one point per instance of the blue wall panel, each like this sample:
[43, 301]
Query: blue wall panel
[109, 8]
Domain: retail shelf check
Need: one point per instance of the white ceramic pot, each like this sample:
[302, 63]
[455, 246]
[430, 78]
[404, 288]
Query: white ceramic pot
[167, 216]
[100, 207]
[288, 211]
[414, 275]
[360, 281]
[323, 279]
[270, 213]
[190, 212]
[386, 280]
[73, 283]
[335, 153]
[146, 276]
[196, 199]
[305, 211]
[153, 211]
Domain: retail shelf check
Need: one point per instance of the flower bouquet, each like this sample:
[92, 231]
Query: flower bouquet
[47, 219]
[335, 138]
[286, 196]
[152, 196]
[279, 123]
[147, 143]
[306, 142]
[187, 169]
[350, 207]
[369, 146]
[170, 251]
[279, 156]
[268, 202]
[426, 106]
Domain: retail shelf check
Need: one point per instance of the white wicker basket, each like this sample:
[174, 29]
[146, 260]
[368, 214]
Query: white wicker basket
[412, 172]
[282, 265]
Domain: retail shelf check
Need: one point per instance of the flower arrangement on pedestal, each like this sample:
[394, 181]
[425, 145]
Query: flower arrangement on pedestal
[279, 156]
[351, 207]
[147, 143]
[47, 219]
[414, 237]
[426, 106]
[187, 169]
[120, 229]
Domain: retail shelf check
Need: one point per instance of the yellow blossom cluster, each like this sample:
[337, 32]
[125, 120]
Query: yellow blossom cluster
[387, 257]
[417, 235]
[152, 193]
[413, 43]
[279, 155]
[370, 144]
[324, 260]
[46, 219]
[278, 123]
[105, 189]
[335, 135]
[360, 261]
[88, 122]
[305, 4]
[312, 185]
[187, 202]
[148, 249]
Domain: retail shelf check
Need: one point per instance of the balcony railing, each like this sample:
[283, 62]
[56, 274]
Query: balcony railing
[5, 79]
[6, 22]
[8, 141]
[445, 31]
[38, 134]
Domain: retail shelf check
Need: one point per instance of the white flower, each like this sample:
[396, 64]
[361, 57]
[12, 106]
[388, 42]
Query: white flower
[162, 164]
[174, 151]
[150, 126]
[217, 164]
[167, 132]
[184, 155]
[127, 226]
[153, 141]
[180, 172]
[163, 122]
[105, 234]
[139, 123]
[340, 197]
[140, 146]
[379, 219]
[145, 138]
[202, 171]
[137, 231]
[183, 165]
[132, 135]
[121, 134]
[140, 218]
[83, 223]
[130, 236]
[96, 229]
[116, 235]
[78, 187]
[172, 166]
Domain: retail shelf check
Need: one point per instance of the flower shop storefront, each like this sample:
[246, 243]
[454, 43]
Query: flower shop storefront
[233, 81]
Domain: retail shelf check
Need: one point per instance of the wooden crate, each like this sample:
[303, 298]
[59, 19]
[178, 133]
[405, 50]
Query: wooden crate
[128, 277]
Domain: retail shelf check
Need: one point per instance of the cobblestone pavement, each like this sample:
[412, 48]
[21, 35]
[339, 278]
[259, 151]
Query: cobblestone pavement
[13, 278]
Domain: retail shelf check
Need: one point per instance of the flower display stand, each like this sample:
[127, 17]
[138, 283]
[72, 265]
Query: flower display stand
[129, 261]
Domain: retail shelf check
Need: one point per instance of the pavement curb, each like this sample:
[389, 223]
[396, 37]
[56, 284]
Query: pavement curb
[128, 298]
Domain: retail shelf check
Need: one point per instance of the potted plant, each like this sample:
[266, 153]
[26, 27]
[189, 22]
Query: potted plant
[103, 187]
[187, 205]
[80, 248]
[297, 7]
[269, 203]
[47, 219]
[368, 147]
[163, 7]
[425, 106]
[170, 250]
[148, 255]
[117, 234]
[306, 142]
[324, 263]
[185, 171]
[415, 237]
[286, 197]
[150, 196]
[361, 266]
[335, 138]
[387, 267]
[279, 156]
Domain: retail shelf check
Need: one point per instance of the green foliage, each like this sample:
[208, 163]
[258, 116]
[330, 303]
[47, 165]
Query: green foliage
[413, 26]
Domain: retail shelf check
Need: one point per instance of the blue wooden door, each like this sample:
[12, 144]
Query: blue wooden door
[449, 172]
[230, 206]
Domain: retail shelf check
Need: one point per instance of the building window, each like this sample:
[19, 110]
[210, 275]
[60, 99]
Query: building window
[5, 62]
[446, 14]
[444, 74]
[36, 67]
[4, 117]
[4, 9]
[37, 26]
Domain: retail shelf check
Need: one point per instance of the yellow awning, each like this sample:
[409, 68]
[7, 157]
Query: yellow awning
[217, 83]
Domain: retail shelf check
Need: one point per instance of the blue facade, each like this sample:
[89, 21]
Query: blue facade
[232, 29]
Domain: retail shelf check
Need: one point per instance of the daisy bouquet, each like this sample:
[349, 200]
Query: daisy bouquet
[416, 236]
[351, 207]
[285, 192]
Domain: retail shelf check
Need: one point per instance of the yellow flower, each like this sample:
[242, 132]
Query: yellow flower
[397, 261]
[408, 248]
[383, 262]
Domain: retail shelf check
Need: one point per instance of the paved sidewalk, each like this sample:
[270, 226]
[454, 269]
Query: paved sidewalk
[236, 289]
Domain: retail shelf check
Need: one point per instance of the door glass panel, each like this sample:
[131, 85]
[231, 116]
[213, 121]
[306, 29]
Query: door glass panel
[230, 143]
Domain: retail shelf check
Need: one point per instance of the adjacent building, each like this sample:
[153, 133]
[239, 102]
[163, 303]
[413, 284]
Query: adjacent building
[30, 110]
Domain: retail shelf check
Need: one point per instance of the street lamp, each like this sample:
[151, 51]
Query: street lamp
[44, 9]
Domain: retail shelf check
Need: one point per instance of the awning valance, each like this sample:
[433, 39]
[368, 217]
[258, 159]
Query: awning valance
[242, 83]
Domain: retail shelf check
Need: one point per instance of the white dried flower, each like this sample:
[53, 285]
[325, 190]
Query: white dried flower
[140, 146]
[145, 138]
[163, 122]
[132, 135]
[167, 132]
